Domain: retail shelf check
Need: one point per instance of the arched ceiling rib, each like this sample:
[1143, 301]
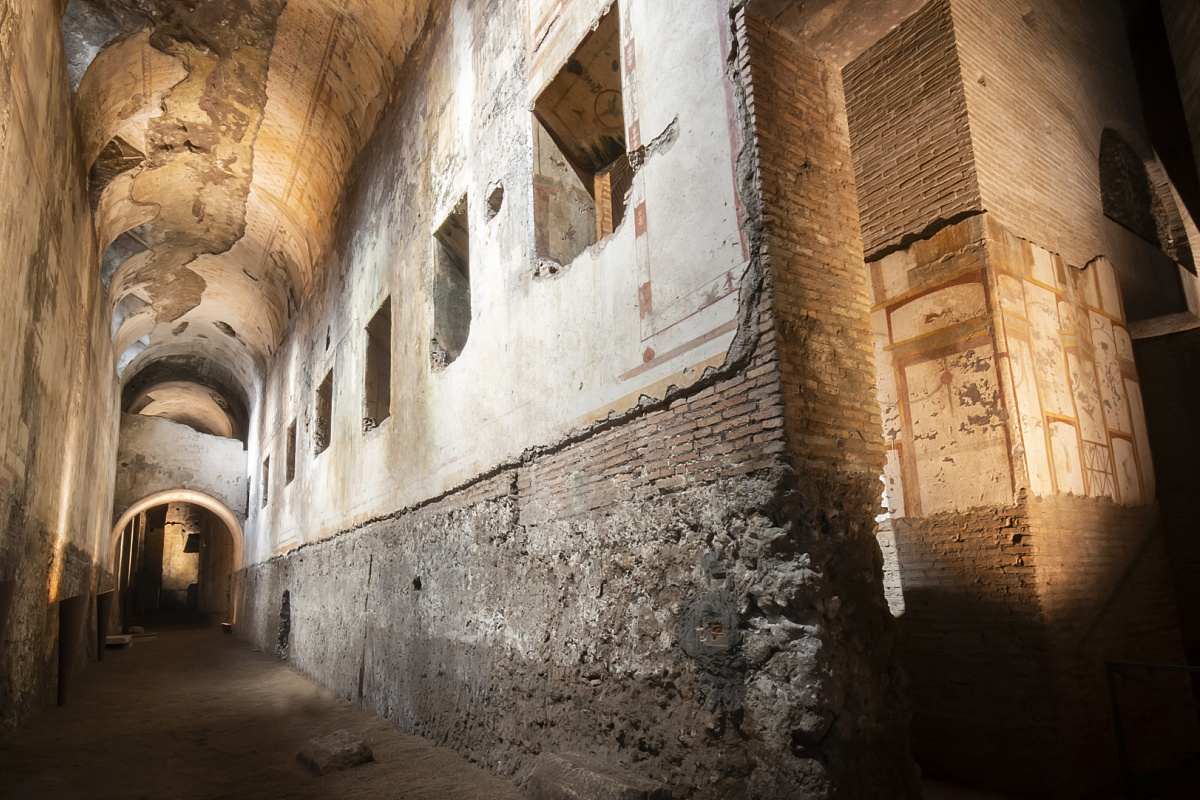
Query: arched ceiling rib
[191, 404]
[174, 370]
[247, 115]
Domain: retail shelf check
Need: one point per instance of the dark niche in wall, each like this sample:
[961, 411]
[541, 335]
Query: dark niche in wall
[1126, 191]
[377, 381]
[451, 287]
[581, 168]
[290, 454]
[323, 417]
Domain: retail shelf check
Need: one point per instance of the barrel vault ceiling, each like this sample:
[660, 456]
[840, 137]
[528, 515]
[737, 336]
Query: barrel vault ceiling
[218, 134]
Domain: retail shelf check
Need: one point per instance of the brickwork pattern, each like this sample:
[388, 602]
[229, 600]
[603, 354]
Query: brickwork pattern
[827, 374]
[1169, 369]
[1105, 596]
[1042, 79]
[913, 158]
[821, 306]
[730, 428]
[1030, 601]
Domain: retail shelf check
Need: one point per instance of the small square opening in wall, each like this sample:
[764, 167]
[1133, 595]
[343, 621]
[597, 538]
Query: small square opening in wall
[377, 384]
[323, 418]
[266, 480]
[451, 287]
[581, 168]
[290, 454]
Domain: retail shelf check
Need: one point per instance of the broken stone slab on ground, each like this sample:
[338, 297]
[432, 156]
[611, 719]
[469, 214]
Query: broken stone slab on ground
[337, 751]
[567, 776]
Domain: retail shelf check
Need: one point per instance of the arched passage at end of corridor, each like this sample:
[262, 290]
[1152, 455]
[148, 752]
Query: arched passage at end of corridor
[218, 509]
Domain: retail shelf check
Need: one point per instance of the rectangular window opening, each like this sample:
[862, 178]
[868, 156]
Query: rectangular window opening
[451, 287]
[290, 462]
[378, 379]
[582, 171]
[323, 422]
[266, 480]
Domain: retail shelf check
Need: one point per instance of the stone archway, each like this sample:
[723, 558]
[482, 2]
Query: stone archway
[232, 523]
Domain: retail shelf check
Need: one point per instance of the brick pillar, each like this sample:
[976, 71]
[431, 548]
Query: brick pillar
[826, 364]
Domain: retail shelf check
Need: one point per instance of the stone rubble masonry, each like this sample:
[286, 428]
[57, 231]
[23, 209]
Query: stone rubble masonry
[654, 595]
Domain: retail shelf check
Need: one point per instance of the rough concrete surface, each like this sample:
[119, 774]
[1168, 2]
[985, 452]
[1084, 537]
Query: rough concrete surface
[571, 776]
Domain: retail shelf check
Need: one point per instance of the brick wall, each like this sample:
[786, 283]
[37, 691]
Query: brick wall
[913, 158]
[1169, 369]
[1042, 80]
[821, 307]
[733, 427]
[972, 643]
[1009, 616]
[826, 367]
[545, 608]
[1102, 577]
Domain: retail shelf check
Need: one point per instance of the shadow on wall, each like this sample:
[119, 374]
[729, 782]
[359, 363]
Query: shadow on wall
[997, 666]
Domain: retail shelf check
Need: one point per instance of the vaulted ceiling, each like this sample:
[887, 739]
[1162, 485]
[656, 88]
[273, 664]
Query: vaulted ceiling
[218, 135]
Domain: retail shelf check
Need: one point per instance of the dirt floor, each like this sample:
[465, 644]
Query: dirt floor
[198, 714]
[194, 713]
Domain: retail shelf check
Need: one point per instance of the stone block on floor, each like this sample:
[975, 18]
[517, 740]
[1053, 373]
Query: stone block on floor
[340, 750]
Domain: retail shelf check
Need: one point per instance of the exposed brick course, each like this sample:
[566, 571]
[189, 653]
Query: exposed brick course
[913, 157]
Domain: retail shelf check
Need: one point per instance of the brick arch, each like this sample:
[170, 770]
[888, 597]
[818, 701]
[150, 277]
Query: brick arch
[223, 512]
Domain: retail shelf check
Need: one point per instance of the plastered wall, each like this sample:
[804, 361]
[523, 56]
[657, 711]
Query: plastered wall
[585, 533]
[650, 307]
[157, 455]
[58, 397]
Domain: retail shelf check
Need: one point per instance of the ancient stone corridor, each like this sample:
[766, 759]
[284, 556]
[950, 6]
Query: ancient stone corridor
[653, 399]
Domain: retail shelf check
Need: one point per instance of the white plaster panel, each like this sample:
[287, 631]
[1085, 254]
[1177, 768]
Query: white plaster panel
[1127, 472]
[1064, 444]
[893, 484]
[1091, 295]
[959, 444]
[1012, 295]
[1098, 465]
[1112, 384]
[893, 270]
[1141, 438]
[1124, 345]
[1032, 422]
[1087, 399]
[938, 310]
[1110, 292]
[1066, 316]
[700, 260]
[1043, 267]
[1042, 308]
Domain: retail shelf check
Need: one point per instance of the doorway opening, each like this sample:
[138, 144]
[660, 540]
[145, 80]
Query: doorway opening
[174, 564]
